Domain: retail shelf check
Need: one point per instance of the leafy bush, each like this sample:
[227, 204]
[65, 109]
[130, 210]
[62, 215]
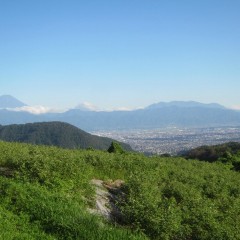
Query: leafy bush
[115, 148]
[45, 193]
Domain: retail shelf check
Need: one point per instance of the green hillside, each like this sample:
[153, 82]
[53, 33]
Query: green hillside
[227, 153]
[46, 193]
[55, 134]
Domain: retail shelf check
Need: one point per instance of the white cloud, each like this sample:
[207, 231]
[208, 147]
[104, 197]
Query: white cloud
[34, 109]
[87, 106]
[236, 107]
[123, 109]
[120, 109]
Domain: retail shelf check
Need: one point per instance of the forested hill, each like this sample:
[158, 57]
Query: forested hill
[214, 152]
[55, 133]
[228, 153]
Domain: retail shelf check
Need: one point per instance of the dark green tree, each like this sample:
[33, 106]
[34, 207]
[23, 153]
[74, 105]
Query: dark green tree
[115, 147]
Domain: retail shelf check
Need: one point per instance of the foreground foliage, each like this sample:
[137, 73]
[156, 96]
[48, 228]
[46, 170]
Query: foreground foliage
[45, 193]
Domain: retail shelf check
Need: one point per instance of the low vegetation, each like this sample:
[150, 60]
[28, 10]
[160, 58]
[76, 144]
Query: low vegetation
[227, 153]
[46, 193]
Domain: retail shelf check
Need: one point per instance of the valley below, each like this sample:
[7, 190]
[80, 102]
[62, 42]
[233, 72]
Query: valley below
[172, 140]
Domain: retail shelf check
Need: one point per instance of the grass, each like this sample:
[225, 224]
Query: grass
[45, 193]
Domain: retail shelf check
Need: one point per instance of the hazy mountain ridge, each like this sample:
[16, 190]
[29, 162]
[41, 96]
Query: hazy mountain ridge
[158, 115]
[184, 104]
[152, 118]
[55, 134]
[7, 101]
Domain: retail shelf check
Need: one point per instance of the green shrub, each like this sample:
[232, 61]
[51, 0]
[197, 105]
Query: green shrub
[45, 193]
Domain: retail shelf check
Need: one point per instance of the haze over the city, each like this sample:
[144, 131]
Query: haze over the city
[120, 54]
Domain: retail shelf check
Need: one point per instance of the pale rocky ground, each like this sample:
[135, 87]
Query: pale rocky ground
[107, 193]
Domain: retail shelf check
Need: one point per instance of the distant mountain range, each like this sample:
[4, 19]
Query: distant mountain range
[184, 104]
[7, 101]
[55, 134]
[172, 114]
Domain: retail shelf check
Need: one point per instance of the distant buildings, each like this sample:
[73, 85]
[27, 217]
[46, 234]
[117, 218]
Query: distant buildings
[173, 140]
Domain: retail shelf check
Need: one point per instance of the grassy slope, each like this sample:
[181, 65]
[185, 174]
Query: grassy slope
[45, 192]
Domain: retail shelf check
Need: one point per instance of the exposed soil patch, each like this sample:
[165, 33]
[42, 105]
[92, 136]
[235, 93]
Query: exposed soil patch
[107, 195]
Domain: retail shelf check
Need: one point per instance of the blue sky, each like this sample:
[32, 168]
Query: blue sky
[113, 54]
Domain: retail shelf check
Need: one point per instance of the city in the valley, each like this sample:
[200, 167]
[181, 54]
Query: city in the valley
[173, 140]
